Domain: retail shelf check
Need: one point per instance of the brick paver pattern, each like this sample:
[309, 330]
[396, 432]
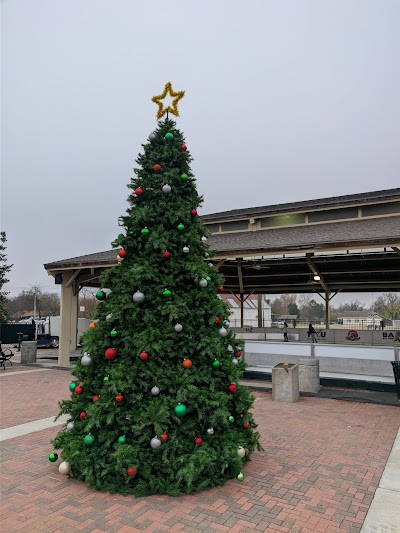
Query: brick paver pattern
[322, 463]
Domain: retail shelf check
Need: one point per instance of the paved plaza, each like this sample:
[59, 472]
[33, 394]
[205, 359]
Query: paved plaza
[322, 462]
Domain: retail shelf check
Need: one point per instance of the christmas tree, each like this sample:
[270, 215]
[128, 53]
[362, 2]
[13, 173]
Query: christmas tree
[156, 405]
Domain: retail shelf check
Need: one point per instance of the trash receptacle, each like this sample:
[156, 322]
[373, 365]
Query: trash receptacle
[28, 352]
[396, 372]
[285, 383]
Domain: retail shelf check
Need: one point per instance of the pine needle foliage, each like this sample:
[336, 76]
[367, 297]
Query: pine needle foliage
[221, 419]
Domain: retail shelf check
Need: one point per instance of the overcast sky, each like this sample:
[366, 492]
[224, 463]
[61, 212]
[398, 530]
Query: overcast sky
[285, 101]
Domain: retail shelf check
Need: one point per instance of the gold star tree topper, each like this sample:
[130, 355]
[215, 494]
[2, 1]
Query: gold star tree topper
[168, 109]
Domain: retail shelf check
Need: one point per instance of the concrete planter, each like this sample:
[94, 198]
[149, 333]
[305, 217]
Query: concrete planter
[28, 352]
[285, 383]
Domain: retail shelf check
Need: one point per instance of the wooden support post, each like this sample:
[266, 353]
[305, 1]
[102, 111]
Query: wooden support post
[69, 318]
[327, 309]
[260, 310]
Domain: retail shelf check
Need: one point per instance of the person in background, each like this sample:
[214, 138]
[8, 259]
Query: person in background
[312, 333]
[285, 336]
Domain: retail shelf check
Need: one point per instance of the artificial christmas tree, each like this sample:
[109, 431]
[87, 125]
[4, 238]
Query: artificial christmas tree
[156, 405]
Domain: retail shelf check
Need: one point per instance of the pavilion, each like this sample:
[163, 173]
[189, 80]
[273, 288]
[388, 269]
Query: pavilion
[341, 244]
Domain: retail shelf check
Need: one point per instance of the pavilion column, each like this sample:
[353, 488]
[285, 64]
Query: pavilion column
[241, 311]
[69, 318]
[327, 309]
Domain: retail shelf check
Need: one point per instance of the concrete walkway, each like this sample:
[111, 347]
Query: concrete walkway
[384, 513]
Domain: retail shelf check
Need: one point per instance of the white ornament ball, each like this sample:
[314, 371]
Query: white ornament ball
[186, 249]
[241, 452]
[203, 283]
[64, 468]
[70, 426]
[138, 297]
[235, 361]
[223, 332]
[155, 443]
[230, 348]
[166, 188]
[86, 360]
[178, 328]
[210, 264]
[152, 136]
[155, 391]
[210, 431]
[204, 238]
[109, 317]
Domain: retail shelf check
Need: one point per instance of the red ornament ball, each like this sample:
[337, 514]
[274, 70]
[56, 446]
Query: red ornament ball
[119, 398]
[187, 363]
[122, 253]
[131, 471]
[96, 399]
[157, 167]
[217, 320]
[143, 356]
[164, 437]
[111, 354]
[78, 390]
[193, 212]
[238, 354]
[220, 288]
[232, 388]
[166, 254]
[82, 416]
[246, 425]
[138, 191]
[184, 147]
[198, 441]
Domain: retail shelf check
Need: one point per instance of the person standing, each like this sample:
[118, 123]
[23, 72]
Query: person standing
[312, 333]
[285, 335]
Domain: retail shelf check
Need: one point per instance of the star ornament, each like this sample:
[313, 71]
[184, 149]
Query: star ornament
[169, 109]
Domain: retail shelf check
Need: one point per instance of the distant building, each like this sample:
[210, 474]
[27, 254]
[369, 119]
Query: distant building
[280, 319]
[363, 319]
[250, 310]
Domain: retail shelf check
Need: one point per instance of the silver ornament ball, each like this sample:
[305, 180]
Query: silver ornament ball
[138, 297]
[241, 452]
[186, 249]
[109, 317]
[152, 136]
[203, 283]
[86, 360]
[204, 238]
[178, 328]
[223, 332]
[155, 391]
[155, 443]
[166, 188]
[70, 426]
[210, 431]
[64, 468]
[235, 361]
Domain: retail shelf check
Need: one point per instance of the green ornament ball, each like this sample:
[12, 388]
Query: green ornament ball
[184, 177]
[88, 440]
[169, 135]
[106, 379]
[231, 419]
[216, 364]
[120, 236]
[101, 295]
[208, 279]
[72, 386]
[122, 439]
[113, 333]
[145, 231]
[167, 293]
[180, 409]
[181, 227]
[53, 457]
[206, 255]
[240, 477]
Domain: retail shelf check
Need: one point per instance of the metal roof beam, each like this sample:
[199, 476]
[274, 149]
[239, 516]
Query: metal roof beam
[316, 272]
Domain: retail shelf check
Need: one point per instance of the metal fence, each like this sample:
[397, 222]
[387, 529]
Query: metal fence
[361, 325]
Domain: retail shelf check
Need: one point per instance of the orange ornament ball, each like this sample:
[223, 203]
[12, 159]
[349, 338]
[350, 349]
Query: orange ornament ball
[92, 325]
[187, 363]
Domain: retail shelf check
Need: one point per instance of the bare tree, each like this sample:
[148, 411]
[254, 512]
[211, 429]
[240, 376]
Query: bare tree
[388, 305]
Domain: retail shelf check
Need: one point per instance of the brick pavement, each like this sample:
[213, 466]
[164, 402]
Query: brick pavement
[322, 463]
